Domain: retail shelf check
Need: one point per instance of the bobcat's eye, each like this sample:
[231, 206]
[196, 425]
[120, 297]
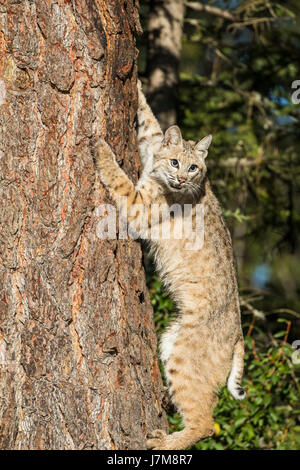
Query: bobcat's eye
[174, 163]
[193, 168]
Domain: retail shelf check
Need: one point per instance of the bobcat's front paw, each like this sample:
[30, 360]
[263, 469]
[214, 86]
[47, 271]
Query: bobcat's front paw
[102, 147]
[102, 153]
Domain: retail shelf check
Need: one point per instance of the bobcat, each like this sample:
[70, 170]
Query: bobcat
[204, 344]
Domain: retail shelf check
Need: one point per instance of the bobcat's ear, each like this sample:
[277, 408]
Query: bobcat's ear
[173, 136]
[201, 147]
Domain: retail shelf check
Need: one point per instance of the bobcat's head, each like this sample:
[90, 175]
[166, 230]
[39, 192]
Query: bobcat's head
[179, 164]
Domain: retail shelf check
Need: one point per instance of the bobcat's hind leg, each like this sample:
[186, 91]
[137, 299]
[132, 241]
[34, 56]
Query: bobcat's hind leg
[192, 382]
[159, 440]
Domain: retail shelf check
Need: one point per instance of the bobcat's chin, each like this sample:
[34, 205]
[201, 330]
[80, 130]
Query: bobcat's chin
[176, 186]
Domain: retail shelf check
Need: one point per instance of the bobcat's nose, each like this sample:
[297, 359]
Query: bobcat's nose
[181, 180]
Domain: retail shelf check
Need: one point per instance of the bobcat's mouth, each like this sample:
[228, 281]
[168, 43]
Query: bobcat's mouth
[175, 185]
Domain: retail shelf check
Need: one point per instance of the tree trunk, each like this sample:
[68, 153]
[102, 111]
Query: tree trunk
[77, 344]
[164, 47]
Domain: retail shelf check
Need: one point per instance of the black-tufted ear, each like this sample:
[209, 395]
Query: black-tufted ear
[173, 136]
[201, 147]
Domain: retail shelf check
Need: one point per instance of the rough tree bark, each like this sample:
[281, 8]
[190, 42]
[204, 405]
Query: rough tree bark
[77, 344]
[163, 54]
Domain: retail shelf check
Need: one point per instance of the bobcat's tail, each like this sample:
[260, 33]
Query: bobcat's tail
[236, 374]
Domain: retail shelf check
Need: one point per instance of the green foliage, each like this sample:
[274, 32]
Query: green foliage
[236, 215]
[267, 418]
